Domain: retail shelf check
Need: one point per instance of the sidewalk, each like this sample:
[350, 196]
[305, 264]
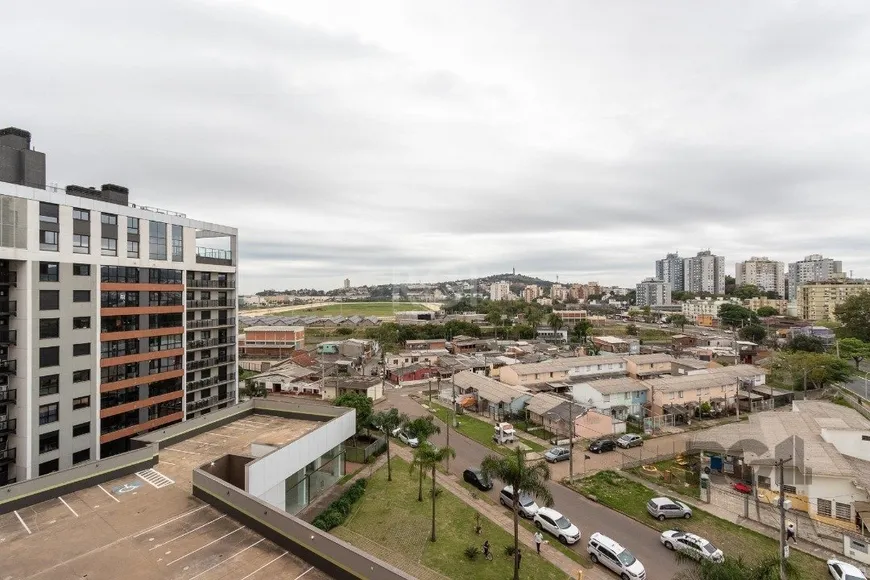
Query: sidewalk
[501, 517]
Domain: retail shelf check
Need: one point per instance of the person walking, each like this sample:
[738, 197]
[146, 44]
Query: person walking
[519, 558]
[486, 553]
[539, 539]
[790, 533]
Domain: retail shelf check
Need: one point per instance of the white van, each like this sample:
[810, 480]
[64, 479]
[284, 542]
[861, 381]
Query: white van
[613, 556]
[504, 433]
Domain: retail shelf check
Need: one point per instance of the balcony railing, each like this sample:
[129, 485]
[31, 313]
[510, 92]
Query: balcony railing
[8, 367]
[8, 308]
[210, 342]
[214, 256]
[8, 456]
[210, 323]
[210, 362]
[210, 284]
[209, 382]
[210, 304]
[8, 426]
[8, 278]
[202, 403]
[8, 337]
[7, 395]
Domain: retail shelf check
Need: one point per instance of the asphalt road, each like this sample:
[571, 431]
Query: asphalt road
[589, 516]
[858, 386]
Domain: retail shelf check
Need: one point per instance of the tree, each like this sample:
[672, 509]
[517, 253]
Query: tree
[819, 369]
[534, 317]
[631, 329]
[753, 333]
[678, 320]
[733, 569]
[361, 403]
[387, 421]
[555, 321]
[735, 315]
[806, 343]
[582, 330]
[254, 390]
[681, 295]
[422, 428]
[855, 349]
[765, 311]
[494, 317]
[854, 313]
[730, 284]
[427, 456]
[747, 291]
[772, 295]
[530, 478]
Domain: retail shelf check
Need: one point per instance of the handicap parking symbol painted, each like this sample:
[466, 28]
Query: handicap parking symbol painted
[127, 487]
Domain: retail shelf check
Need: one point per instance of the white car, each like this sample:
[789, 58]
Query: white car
[613, 556]
[844, 571]
[691, 545]
[527, 507]
[406, 437]
[558, 525]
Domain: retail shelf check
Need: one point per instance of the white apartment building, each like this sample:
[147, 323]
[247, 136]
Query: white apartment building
[115, 319]
[813, 268]
[652, 292]
[670, 270]
[704, 307]
[500, 291]
[704, 273]
[558, 292]
[767, 274]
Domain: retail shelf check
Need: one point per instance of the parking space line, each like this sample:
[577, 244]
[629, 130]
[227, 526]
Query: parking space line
[169, 521]
[227, 559]
[108, 494]
[219, 435]
[22, 523]
[204, 547]
[161, 462]
[304, 573]
[264, 565]
[189, 532]
[67, 506]
[180, 451]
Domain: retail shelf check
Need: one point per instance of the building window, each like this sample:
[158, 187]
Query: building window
[49, 442]
[81, 376]
[48, 272]
[158, 343]
[81, 244]
[177, 243]
[81, 214]
[81, 295]
[113, 299]
[157, 240]
[49, 467]
[82, 349]
[108, 218]
[81, 322]
[81, 269]
[119, 274]
[48, 212]
[108, 246]
[49, 328]
[823, 507]
[81, 402]
[133, 226]
[81, 429]
[49, 385]
[49, 300]
[48, 413]
[81, 456]
[49, 356]
[48, 240]
[132, 249]
[843, 511]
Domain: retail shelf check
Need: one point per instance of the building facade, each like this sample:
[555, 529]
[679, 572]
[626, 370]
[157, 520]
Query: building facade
[699, 308]
[670, 270]
[813, 268]
[767, 274]
[818, 300]
[704, 273]
[532, 292]
[500, 291]
[653, 292]
[755, 303]
[274, 342]
[115, 320]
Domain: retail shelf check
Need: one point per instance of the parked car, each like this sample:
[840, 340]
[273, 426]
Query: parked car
[528, 507]
[613, 556]
[476, 478]
[405, 437]
[602, 445]
[630, 440]
[557, 454]
[664, 507]
[741, 487]
[844, 571]
[551, 521]
[691, 545]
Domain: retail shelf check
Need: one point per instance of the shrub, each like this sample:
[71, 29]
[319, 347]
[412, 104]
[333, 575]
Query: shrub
[335, 514]
[471, 552]
[343, 505]
[508, 550]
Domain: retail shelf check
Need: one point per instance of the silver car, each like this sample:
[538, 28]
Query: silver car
[664, 507]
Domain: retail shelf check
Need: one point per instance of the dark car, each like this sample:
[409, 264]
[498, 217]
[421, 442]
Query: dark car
[476, 478]
[602, 445]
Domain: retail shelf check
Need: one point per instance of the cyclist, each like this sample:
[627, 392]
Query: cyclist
[486, 553]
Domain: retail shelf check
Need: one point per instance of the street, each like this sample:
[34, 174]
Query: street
[589, 516]
[859, 386]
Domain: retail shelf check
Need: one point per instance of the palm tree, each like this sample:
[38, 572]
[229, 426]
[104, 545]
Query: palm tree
[735, 569]
[387, 421]
[427, 456]
[422, 428]
[555, 321]
[529, 478]
[582, 329]
[534, 317]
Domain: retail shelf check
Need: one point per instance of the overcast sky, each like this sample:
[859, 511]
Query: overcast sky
[409, 141]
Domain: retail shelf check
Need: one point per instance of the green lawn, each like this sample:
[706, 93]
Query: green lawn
[390, 515]
[680, 476]
[480, 431]
[358, 308]
[630, 498]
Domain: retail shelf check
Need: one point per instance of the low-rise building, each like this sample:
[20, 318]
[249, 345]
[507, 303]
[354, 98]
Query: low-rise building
[823, 333]
[372, 388]
[539, 404]
[426, 357]
[274, 342]
[412, 372]
[647, 366]
[754, 304]
[426, 344]
[704, 311]
[594, 424]
[288, 377]
[549, 334]
[616, 345]
[619, 397]
[572, 317]
[495, 399]
[717, 386]
[819, 300]
[562, 369]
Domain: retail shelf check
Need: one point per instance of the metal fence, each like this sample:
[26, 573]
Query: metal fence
[363, 454]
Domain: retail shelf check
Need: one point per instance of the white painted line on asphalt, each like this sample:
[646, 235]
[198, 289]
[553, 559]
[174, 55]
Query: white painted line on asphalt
[230, 558]
[67, 507]
[264, 565]
[161, 462]
[224, 436]
[189, 532]
[304, 573]
[108, 494]
[22, 523]
[169, 521]
[204, 547]
[180, 451]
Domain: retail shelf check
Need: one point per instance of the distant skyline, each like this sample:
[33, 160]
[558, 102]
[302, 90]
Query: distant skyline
[391, 141]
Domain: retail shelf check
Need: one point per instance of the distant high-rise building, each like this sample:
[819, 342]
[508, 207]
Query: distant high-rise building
[532, 292]
[347, 283]
[500, 291]
[765, 273]
[670, 270]
[653, 292]
[818, 300]
[558, 292]
[813, 268]
[704, 273]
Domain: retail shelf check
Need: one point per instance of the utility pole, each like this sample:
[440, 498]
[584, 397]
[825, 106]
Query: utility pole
[571, 439]
[430, 391]
[782, 548]
[805, 384]
[453, 397]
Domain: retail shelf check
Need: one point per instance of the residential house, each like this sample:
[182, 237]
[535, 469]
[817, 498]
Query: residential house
[288, 377]
[468, 345]
[614, 344]
[560, 418]
[705, 311]
[426, 344]
[646, 366]
[494, 399]
[412, 372]
[691, 366]
[372, 388]
[619, 397]
[428, 357]
[549, 334]
[594, 424]
[539, 404]
[562, 369]
[358, 349]
[717, 386]
[682, 341]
